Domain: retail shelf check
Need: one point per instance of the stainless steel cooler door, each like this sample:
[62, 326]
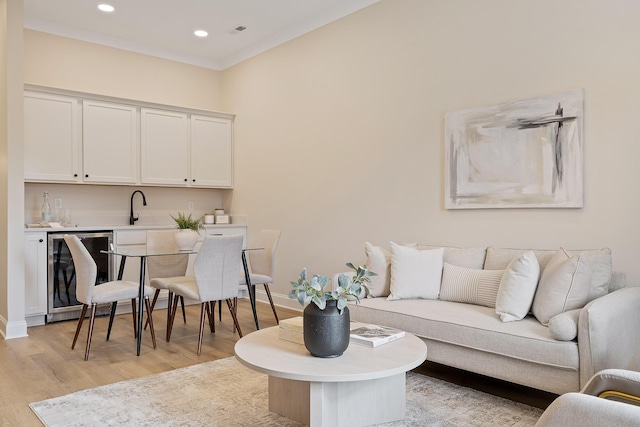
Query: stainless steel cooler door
[62, 302]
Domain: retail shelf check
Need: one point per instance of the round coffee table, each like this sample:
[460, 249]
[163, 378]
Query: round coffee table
[364, 386]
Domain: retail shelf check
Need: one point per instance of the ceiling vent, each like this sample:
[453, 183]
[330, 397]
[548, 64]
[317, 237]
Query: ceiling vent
[236, 30]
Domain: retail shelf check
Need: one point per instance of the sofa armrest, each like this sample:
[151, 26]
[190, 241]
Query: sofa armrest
[608, 332]
[577, 409]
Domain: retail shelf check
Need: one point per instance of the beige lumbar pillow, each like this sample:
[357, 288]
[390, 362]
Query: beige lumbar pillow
[564, 285]
[518, 287]
[470, 285]
[378, 261]
[415, 273]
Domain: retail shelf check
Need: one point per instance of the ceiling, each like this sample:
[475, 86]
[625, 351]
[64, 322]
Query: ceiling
[164, 28]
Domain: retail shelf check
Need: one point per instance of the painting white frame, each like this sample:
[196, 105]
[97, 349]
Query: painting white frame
[521, 154]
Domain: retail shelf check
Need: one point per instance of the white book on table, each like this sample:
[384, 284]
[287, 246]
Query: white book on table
[374, 335]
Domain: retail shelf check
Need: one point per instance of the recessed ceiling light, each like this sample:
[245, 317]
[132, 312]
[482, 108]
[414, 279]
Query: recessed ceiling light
[201, 33]
[106, 7]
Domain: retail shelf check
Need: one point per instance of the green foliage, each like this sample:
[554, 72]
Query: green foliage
[187, 222]
[313, 290]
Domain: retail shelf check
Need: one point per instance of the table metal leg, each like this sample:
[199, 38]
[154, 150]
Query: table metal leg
[140, 302]
[252, 297]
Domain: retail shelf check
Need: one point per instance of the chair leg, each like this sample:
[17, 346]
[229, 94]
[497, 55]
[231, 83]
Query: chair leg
[84, 313]
[150, 321]
[273, 307]
[114, 305]
[235, 309]
[203, 310]
[184, 314]
[174, 306]
[169, 308]
[134, 311]
[212, 316]
[153, 305]
[234, 316]
[92, 319]
[67, 283]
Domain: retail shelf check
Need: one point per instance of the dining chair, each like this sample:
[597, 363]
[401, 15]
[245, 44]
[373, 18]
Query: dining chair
[90, 294]
[262, 264]
[216, 270]
[163, 270]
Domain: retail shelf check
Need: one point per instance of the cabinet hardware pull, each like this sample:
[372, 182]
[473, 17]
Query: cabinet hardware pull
[40, 240]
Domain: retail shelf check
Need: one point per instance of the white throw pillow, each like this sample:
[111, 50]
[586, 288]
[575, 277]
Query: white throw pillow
[378, 261]
[415, 273]
[564, 285]
[518, 287]
[470, 285]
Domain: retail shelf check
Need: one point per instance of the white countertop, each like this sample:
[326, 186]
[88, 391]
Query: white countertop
[119, 227]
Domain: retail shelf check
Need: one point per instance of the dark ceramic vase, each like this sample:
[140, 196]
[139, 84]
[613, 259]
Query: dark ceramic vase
[326, 332]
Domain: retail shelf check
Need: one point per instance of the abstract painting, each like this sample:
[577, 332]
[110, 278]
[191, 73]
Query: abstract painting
[521, 154]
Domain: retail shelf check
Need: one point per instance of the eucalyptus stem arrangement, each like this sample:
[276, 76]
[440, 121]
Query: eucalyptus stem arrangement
[313, 290]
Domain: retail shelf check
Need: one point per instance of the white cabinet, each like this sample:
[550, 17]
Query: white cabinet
[51, 138]
[211, 152]
[110, 142]
[164, 146]
[35, 278]
[71, 137]
[185, 150]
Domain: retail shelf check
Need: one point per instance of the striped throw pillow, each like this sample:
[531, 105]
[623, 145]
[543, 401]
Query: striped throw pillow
[470, 285]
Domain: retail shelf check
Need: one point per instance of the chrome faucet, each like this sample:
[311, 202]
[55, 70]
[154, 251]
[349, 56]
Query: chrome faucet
[133, 219]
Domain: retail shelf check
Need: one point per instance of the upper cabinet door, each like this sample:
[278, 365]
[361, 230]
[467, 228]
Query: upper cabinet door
[164, 144]
[211, 152]
[110, 147]
[51, 138]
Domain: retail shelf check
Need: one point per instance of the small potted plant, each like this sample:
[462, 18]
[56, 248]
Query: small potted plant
[326, 321]
[189, 228]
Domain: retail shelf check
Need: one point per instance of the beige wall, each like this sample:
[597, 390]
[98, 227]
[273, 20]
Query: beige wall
[339, 133]
[87, 67]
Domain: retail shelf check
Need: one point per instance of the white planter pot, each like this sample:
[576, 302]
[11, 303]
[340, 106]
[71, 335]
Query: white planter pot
[186, 239]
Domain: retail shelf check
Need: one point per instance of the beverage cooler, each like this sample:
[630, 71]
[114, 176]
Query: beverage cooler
[61, 275]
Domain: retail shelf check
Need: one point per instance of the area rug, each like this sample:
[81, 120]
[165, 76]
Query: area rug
[225, 393]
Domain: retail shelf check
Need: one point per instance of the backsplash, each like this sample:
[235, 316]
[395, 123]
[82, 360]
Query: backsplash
[109, 204]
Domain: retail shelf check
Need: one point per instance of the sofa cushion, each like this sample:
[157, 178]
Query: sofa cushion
[564, 326]
[598, 259]
[461, 257]
[471, 326]
[378, 261]
[470, 285]
[415, 273]
[564, 285]
[518, 287]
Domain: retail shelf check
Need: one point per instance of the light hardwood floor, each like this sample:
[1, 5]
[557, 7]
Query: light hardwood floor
[44, 366]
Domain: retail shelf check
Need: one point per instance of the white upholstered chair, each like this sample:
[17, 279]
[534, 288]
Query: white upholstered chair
[262, 264]
[610, 398]
[216, 270]
[163, 270]
[109, 292]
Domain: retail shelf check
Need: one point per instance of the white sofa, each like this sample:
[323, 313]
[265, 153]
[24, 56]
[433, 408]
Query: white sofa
[582, 334]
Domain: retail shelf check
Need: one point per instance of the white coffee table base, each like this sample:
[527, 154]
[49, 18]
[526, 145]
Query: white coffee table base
[364, 386]
[357, 403]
